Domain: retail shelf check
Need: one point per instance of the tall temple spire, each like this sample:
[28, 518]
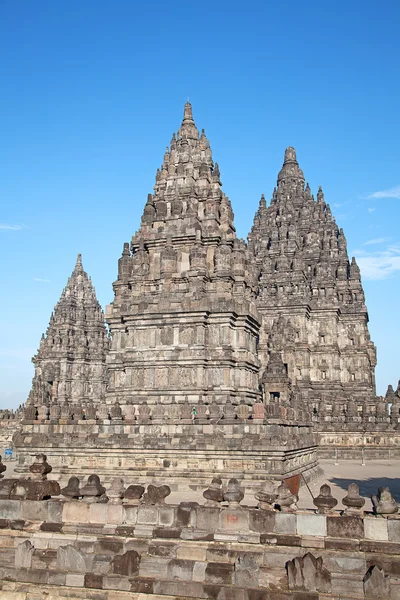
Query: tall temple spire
[188, 128]
[312, 272]
[70, 362]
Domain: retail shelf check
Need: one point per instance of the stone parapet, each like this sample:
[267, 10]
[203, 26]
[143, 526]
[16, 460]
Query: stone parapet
[146, 546]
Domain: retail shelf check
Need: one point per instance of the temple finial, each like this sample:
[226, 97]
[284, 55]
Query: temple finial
[78, 264]
[187, 112]
[290, 169]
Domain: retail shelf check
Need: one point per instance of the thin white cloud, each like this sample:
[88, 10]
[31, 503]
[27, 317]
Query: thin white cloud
[371, 210]
[42, 280]
[376, 241]
[7, 227]
[393, 192]
[381, 264]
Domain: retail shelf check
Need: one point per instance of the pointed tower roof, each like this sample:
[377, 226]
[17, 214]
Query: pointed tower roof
[77, 317]
[188, 178]
[188, 128]
[290, 169]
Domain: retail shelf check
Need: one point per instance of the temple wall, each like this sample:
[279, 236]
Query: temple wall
[107, 551]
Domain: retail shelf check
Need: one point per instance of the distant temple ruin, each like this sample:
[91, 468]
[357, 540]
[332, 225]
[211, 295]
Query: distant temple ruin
[220, 355]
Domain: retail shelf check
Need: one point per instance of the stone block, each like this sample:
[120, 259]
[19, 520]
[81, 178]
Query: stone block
[115, 513]
[166, 550]
[142, 585]
[221, 554]
[376, 528]
[147, 515]
[34, 510]
[126, 564]
[393, 530]
[308, 524]
[273, 579]
[10, 509]
[199, 571]
[345, 564]
[219, 573]
[74, 580]
[347, 586]
[76, 512]
[261, 521]
[186, 514]
[23, 555]
[275, 558]
[189, 552]
[180, 569]
[130, 515]
[285, 523]
[57, 578]
[54, 511]
[249, 538]
[178, 589]
[234, 520]
[312, 541]
[153, 567]
[166, 515]
[145, 531]
[207, 518]
[98, 512]
[93, 581]
[101, 564]
[346, 527]
[107, 545]
[116, 582]
[70, 559]
[168, 532]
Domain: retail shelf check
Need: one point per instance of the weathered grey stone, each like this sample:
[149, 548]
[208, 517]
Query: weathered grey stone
[126, 564]
[23, 555]
[156, 495]
[311, 524]
[384, 503]
[376, 584]
[325, 502]
[70, 559]
[307, 573]
[214, 494]
[353, 501]
[72, 490]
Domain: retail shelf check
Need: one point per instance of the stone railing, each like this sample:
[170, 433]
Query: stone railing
[160, 413]
[128, 539]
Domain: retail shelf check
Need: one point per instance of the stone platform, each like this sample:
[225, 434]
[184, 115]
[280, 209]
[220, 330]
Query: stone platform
[186, 455]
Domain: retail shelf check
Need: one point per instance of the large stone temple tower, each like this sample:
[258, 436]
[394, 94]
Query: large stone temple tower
[310, 296]
[184, 322]
[185, 392]
[70, 365]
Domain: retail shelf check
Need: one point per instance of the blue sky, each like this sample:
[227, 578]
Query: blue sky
[92, 91]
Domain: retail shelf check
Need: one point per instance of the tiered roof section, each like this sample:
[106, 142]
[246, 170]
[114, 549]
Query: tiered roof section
[70, 362]
[309, 293]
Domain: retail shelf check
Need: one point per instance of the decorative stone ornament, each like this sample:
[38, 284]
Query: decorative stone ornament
[325, 502]
[93, 491]
[267, 495]
[234, 494]
[71, 490]
[383, 503]
[214, 494]
[40, 467]
[115, 492]
[286, 501]
[353, 501]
